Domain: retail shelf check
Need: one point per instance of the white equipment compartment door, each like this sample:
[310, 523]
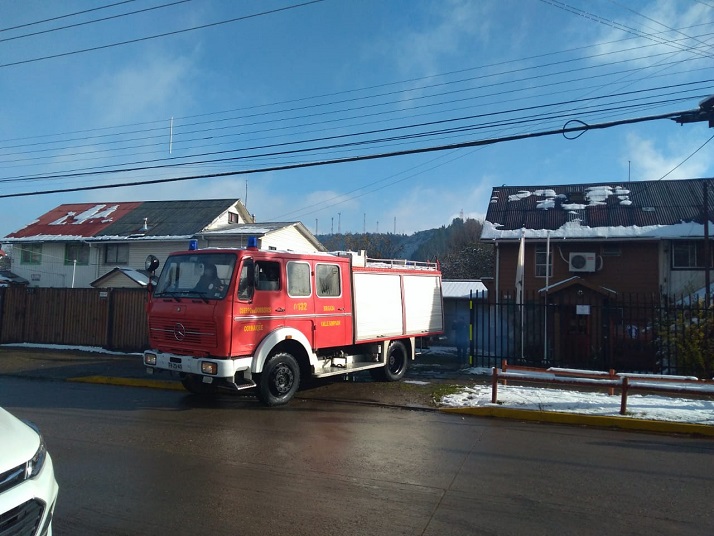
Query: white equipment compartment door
[422, 304]
[378, 306]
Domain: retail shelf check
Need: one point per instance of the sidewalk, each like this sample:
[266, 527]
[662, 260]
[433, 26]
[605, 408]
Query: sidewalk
[60, 364]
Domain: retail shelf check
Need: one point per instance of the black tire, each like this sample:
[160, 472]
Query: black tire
[279, 380]
[396, 366]
[195, 385]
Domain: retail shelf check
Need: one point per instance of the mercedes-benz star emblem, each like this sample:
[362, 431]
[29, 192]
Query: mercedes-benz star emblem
[179, 331]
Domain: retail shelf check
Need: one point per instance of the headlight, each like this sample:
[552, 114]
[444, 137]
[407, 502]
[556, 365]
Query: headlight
[34, 466]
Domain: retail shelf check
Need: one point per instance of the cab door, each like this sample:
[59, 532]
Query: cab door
[299, 298]
[260, 304]
[333, 323]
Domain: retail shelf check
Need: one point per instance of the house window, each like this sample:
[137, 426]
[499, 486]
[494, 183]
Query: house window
[116, 254]
[76, 252]
[233, 217]
[542, 262]
[688, 255]
[31, 254]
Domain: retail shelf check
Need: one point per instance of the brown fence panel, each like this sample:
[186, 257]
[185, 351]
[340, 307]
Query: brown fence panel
[85, 318]
[44, 317]
[13, 315]
[127, 329]
[112, 319]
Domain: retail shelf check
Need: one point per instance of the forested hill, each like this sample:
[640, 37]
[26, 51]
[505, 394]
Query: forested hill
[457, 247]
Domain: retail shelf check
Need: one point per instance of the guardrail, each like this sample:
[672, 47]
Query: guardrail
[611, 380]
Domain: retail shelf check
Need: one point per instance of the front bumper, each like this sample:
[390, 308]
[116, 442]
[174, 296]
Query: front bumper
[225, 369]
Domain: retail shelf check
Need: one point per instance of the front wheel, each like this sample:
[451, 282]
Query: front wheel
[279, 380]
[396, 365]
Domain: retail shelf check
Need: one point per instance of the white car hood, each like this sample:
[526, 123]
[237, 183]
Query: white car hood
[18, 442]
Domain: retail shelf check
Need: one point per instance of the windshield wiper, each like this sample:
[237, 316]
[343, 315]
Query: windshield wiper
[200, 294]
[172, 295]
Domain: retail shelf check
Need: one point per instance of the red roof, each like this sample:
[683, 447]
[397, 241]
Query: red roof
[76, 219]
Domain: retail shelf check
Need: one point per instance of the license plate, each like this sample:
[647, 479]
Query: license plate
[175, 366]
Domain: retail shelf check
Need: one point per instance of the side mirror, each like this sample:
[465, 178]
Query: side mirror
[151, 264]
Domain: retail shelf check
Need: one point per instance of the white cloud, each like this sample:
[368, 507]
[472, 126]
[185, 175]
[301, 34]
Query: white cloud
[449, 28]
[153, 86]
[652, 162]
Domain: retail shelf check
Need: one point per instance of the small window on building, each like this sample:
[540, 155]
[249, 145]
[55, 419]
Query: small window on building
[116, 254]
[689, 255]
[31, 254]
[327, 280]
[233, 218]
[298, 279]
[611, 250]
[76, 252]
[542, 263]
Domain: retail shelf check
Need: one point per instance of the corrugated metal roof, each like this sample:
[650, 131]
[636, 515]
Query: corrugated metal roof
[76, 220]
[462, 289]
[621, 204]
[167, 218]
[125, 219]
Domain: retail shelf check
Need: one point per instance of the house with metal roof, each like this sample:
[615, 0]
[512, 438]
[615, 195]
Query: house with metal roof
[582, 268]
[633, 237]
[78, 244]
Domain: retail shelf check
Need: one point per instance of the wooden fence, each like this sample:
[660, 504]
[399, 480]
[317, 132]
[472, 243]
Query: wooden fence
[113, 319]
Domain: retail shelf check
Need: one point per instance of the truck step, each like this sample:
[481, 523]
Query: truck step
[346, 369]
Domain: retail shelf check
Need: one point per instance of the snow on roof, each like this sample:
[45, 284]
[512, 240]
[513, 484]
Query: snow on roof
[574, 229]
[642, 209]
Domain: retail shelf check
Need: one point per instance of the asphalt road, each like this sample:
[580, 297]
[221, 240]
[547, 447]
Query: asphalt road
[156, 462]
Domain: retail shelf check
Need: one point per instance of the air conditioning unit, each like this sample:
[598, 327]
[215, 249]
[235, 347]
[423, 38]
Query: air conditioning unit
[582, 262]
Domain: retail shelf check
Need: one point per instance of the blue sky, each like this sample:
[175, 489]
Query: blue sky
[206, 87]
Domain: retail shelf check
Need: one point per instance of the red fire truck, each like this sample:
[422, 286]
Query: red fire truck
[249, 318]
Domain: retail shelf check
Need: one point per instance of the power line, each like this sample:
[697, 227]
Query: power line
[158, 36]
[473, 143]
[94, 21]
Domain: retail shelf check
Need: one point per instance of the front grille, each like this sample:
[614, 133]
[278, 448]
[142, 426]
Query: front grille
[12, 478]
[23, 519]
[190, 333]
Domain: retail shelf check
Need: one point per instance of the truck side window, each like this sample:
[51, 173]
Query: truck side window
[327, 280]
[298, 279]
[245, 282]
[267, 275]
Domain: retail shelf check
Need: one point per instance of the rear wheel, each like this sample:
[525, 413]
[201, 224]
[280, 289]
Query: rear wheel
[195, 384]
[396, 365]
[279, 380]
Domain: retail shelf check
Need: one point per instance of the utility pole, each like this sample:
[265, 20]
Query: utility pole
[707, 249]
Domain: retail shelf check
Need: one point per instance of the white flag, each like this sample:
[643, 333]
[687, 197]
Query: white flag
[520, 267]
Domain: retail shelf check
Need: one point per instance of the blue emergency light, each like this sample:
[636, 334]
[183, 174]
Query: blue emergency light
[192, 245]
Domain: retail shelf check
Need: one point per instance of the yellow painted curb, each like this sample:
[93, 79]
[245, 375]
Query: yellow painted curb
[625, 423]
[132, 382]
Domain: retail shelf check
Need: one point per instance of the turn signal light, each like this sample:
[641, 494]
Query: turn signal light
[209, 368]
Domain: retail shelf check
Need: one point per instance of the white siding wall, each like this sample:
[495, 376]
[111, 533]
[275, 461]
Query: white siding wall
[53, 272]
[288, 238]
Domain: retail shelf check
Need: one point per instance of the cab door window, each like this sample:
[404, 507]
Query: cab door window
[246, 279]
[298, 279]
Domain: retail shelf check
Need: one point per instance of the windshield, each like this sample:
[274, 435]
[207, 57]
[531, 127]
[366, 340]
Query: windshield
[205, 276]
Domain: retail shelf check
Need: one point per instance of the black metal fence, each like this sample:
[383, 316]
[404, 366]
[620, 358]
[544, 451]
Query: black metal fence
[631, 333]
